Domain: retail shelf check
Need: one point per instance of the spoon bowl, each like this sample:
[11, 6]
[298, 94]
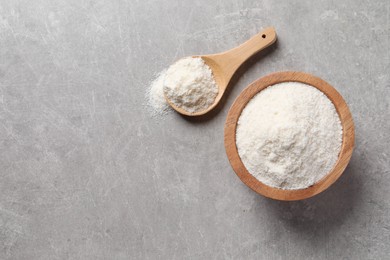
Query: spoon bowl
[347, 145]
[224, 65]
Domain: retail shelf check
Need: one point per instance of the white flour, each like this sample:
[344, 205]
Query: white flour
[190, 85]
[156, 97]
[289, 135]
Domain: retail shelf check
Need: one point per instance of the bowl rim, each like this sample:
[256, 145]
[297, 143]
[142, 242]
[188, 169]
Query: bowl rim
[348, 135]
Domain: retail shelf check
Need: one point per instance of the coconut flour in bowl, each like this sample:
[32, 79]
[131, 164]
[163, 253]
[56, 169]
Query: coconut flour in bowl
[289, 135]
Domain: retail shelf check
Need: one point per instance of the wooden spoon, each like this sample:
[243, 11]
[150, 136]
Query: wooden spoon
[225, 64]
[347, 146]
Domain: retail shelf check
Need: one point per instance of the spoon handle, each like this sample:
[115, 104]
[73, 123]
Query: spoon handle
[232, 59]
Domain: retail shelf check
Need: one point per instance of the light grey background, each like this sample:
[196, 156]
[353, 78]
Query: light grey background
[87, 173]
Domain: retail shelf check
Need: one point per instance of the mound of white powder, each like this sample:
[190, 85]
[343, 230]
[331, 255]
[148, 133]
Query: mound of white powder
[289, 136]
[189, 84]
[156, 97]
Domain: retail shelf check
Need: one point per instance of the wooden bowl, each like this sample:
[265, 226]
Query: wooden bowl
[347, 146]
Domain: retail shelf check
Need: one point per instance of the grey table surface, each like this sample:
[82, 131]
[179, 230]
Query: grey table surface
[87, 173]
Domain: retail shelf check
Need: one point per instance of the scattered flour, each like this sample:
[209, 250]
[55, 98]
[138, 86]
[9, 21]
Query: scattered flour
[289, 136]
[156, 97]
[189, 84]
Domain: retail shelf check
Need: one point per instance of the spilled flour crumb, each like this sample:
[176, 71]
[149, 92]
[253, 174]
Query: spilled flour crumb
[289, 136]
[156, 99]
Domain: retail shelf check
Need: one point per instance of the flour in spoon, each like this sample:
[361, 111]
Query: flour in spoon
[189, 84]
[289, 136]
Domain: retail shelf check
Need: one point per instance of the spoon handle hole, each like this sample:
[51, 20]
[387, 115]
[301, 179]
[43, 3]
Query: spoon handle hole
[264, 36]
